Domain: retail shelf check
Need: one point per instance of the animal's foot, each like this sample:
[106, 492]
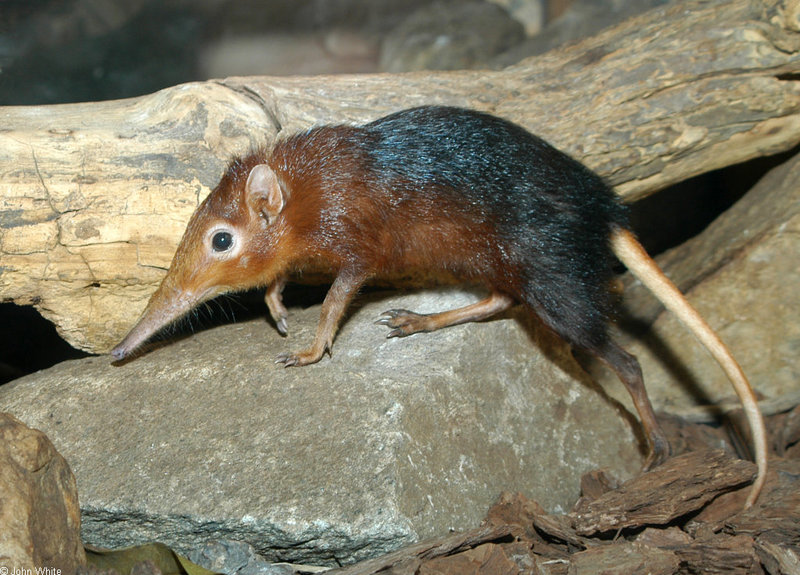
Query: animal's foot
[307, 357]
[403, 321]
[659, 453]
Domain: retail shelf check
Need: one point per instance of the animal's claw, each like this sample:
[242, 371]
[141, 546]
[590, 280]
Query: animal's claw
[307, 357]
[282, 327]
[387, 317]
[287, 359]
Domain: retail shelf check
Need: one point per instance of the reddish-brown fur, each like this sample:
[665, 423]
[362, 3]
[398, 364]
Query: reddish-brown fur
[440, 190]
[367, 233]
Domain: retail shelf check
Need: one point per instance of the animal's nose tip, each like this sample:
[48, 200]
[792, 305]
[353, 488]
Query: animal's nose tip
[118, 353]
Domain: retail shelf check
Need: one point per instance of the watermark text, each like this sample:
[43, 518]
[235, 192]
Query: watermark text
[27, 571]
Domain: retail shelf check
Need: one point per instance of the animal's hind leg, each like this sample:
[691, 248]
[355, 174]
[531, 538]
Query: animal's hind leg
[407, 322]
[627, 368]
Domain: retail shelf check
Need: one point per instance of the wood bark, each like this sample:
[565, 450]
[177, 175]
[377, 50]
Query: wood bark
[94, 197]
[633, 528]
[676, 488]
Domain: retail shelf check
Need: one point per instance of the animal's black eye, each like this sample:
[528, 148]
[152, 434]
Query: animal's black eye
[222, 241]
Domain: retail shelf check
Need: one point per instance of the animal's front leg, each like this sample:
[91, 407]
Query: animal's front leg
[275, 304]
[336, 301]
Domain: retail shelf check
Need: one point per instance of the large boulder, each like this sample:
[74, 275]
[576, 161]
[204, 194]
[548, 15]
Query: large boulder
[388, 441]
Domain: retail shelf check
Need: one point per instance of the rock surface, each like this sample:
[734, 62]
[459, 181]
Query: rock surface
[581, 18]
[742, 274]
[235, 558]
[385, 442]
[39, 515]
[450, 36]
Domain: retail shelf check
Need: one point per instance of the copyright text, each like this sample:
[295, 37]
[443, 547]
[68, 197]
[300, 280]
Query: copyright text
[24, 571]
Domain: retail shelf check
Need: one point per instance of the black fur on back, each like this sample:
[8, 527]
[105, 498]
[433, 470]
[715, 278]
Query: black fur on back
[552, 215]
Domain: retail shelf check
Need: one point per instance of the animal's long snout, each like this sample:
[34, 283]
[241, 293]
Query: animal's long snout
[132, 341]
[162, 309]
[141, 332]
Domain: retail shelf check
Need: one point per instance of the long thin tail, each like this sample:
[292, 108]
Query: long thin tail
[636, 259]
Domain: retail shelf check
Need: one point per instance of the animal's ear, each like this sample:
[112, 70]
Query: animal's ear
[263, 192]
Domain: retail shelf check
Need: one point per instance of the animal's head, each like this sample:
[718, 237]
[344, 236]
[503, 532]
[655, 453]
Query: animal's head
[231, 243]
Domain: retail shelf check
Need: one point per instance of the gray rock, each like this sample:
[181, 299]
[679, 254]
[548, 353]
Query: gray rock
[452, 35]
[235, 558]
[582, 18]
[388, 441]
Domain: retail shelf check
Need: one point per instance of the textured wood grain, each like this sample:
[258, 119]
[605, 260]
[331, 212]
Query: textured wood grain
[94, 197]
[678, 487]
[408, 559]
